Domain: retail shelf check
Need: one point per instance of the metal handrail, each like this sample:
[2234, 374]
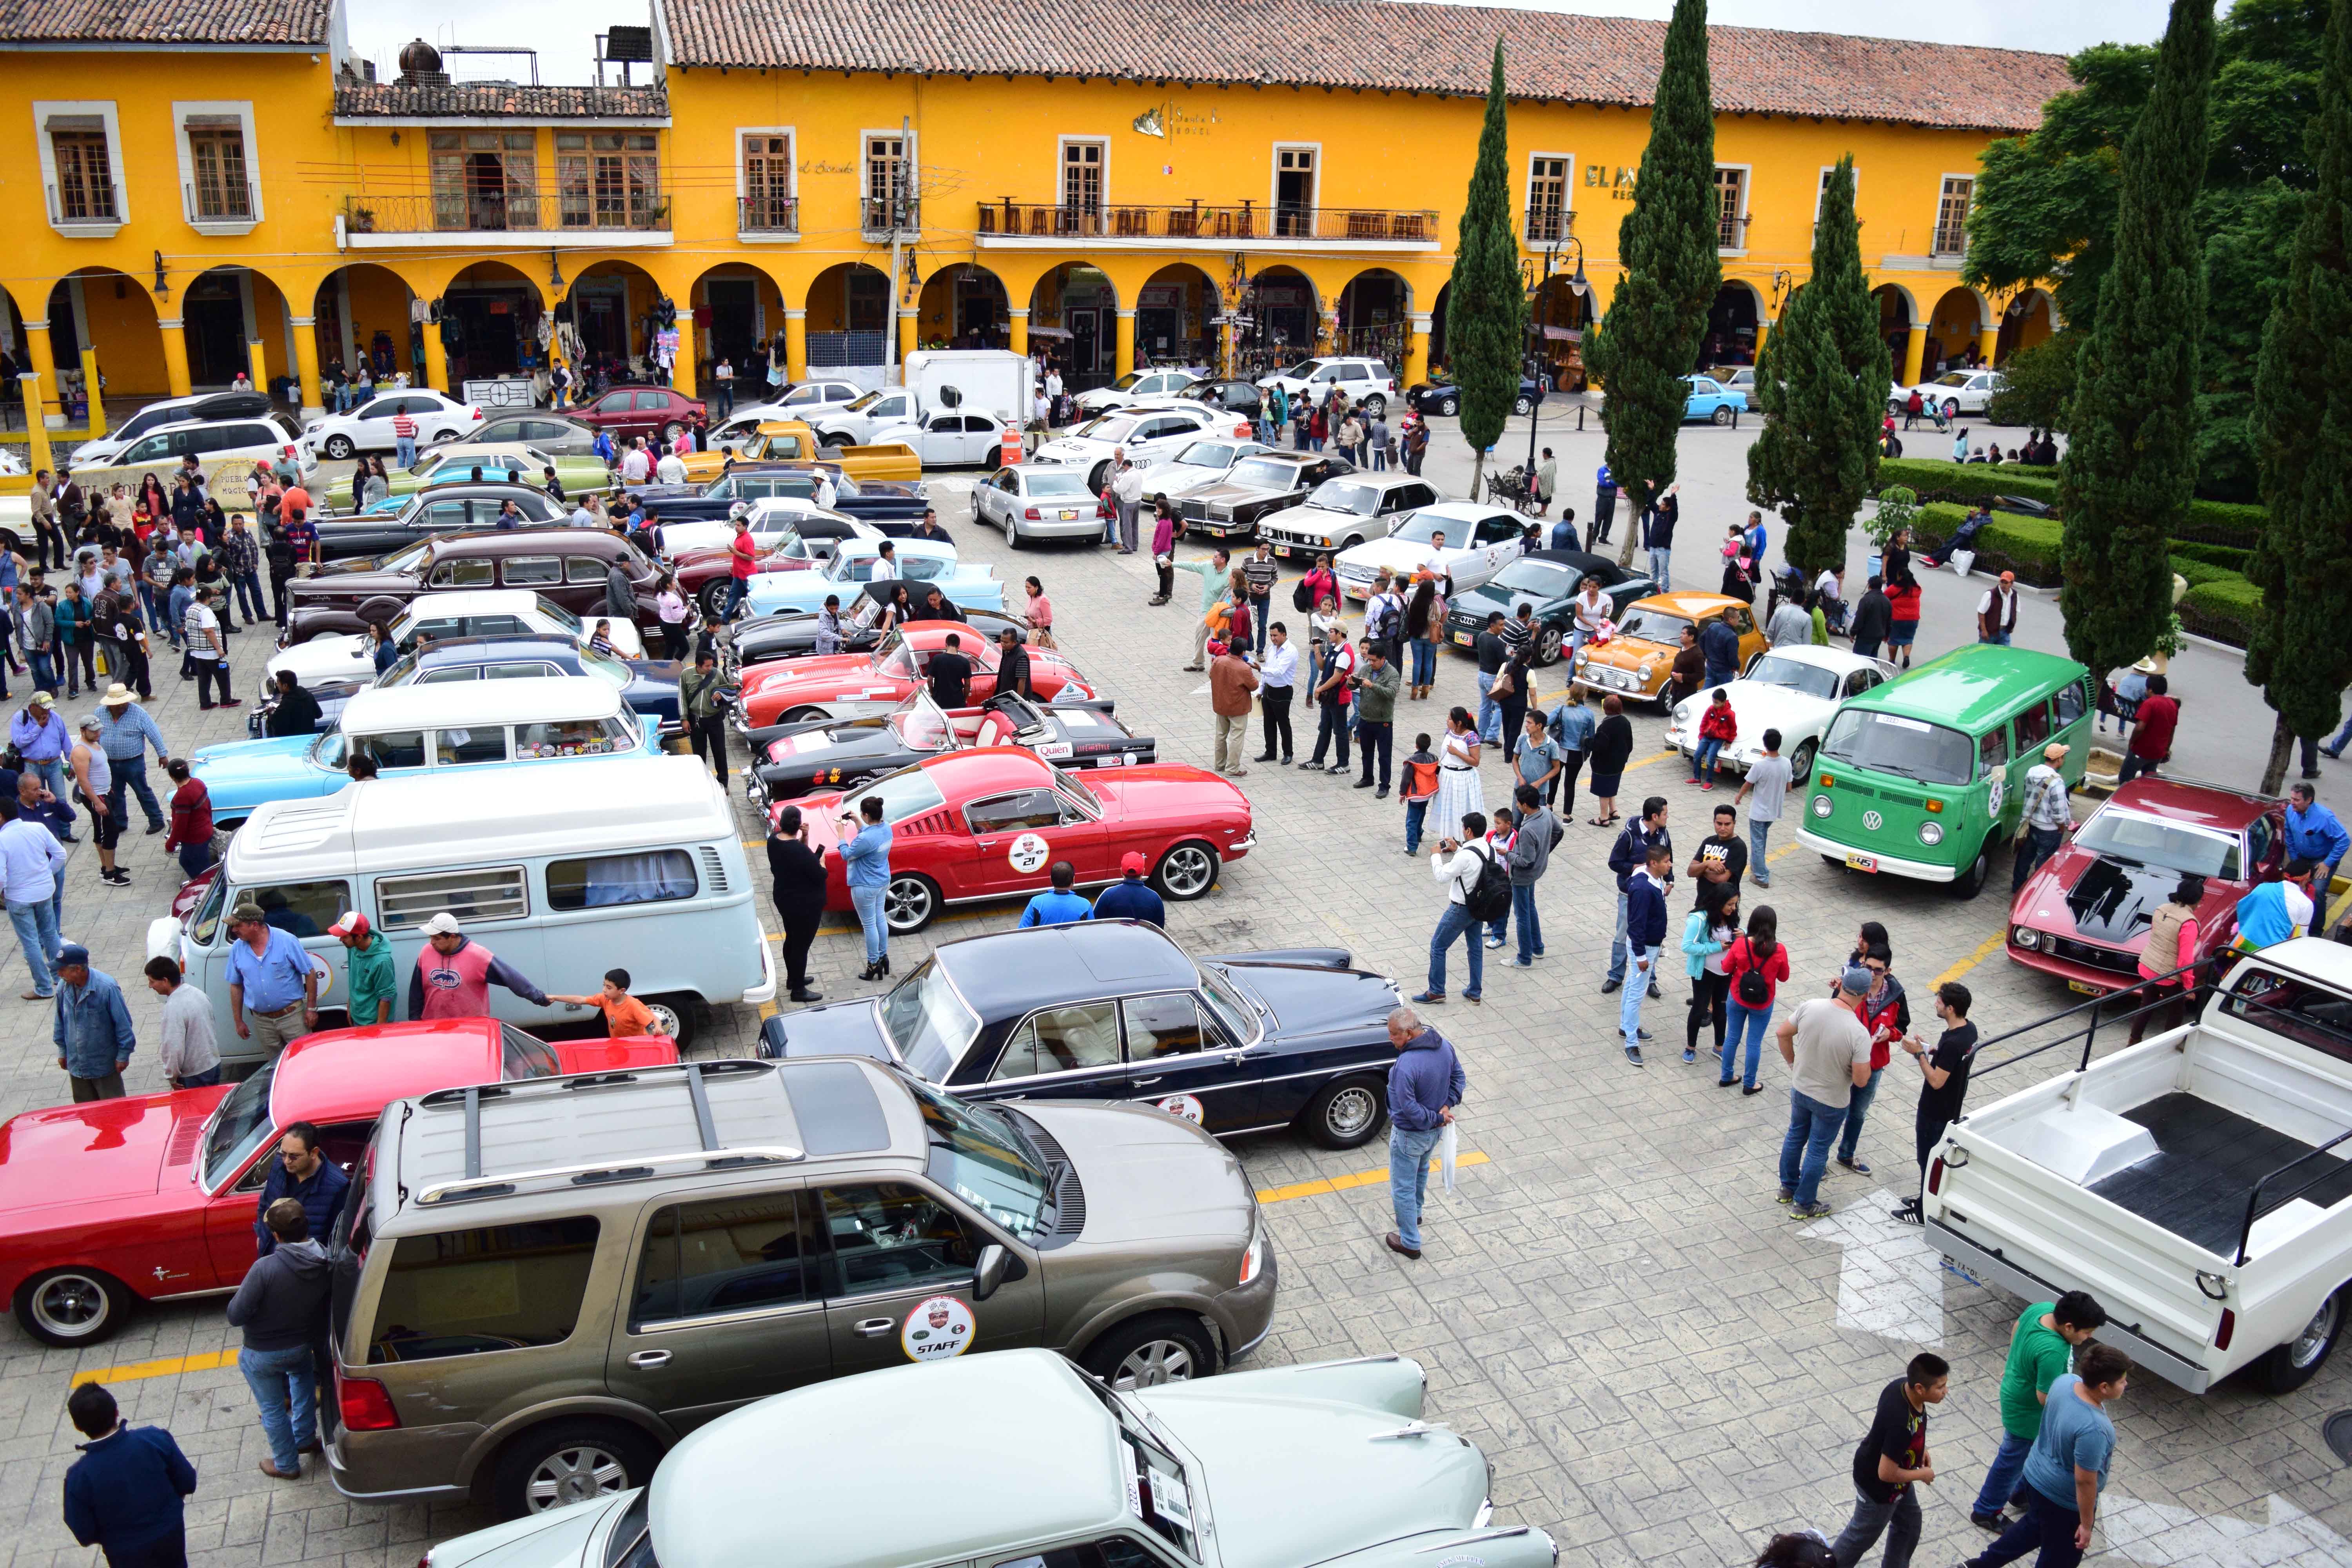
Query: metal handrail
[195, 208]
[2254, 1208]
[767, 215]
[1545, 225]
[1201, 221]
[2090, 1033]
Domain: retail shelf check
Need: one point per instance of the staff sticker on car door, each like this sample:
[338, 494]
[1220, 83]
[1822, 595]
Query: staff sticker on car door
[1184, 1108]
[939, 1328]
[1029, 854]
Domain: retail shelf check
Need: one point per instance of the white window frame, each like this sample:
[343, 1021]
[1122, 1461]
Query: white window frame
[791, 180]
[1273, 179]
[1941, 181]
[1821, 185]
[103, 228]
[242, 109]
[1746, 204]
[1061, 146]
[1566, 189]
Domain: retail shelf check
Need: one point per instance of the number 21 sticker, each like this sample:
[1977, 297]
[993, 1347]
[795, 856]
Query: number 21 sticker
[1029, 854]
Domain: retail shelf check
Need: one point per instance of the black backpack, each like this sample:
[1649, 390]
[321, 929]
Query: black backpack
[1490, 897]
[1753, 990]
[1301, 599]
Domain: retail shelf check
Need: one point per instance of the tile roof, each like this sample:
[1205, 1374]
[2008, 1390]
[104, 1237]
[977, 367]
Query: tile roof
[505, 99]
[1372, 44]
[265, 23]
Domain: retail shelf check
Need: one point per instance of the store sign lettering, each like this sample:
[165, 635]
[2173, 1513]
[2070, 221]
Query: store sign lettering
[820, 166]
[1168, 121]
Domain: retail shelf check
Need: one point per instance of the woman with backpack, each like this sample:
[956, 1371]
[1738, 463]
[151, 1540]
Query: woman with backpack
[1753, 968]
[1712, 927]
[1424, 623]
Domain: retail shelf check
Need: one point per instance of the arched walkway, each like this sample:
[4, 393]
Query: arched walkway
[490, 314]
[848, 318]
[613, 305]
[115, 314]
[1956, 329]
[1175, 315]
[1374, 311]
[360, 312]
[15, 358]
[1556, 319]
[736, 308]
[2030, 317]
[1437, 351]
[224, 312]
[963, 306]
[1732, 325]
[1896, 318]
[1283, 316]
[1073, 318]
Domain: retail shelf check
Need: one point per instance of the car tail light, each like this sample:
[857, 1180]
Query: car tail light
[1936, 1177]
[365, 1404]
[1031, 514]
[2229, 1328]
[473, 414]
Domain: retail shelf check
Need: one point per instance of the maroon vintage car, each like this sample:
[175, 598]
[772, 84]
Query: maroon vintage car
[640, 411]
[2084, 914]
[566, 565]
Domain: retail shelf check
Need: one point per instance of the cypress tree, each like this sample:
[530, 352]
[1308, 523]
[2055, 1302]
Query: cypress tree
[1487, 307]
[1649, 341]
[2303, 427]
[1822, 386]
[2126, 480]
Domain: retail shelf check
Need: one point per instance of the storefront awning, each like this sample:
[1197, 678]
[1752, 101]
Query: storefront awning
[1563, 334]
[1049, 332]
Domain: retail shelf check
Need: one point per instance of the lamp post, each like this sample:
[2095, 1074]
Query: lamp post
[1535, 282]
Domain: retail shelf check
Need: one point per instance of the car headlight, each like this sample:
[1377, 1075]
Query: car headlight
[1254, 1254]
[1931, 833]
[1820, 806]
[1682, 714]
[2028, 940]
[1219, 512]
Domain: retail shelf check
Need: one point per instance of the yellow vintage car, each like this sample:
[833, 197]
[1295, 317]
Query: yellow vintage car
[790, 441]
[1635, 662]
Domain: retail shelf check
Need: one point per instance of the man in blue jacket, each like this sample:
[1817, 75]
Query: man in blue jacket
[302, 1172]
[2314, 833]
[128, 1491]
[1061, 904]
[93, 1032]
[1645, 932]
[1627, 856]
[1131, 898]
[1426, 1083]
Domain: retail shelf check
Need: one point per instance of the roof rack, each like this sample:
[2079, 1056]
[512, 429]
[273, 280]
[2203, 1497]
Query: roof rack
[713, 1155]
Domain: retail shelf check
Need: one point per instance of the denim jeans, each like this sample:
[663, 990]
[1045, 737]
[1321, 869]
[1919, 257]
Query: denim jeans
[45, 671]
[52, 772]
[2006, 1478]
[1898, 1520]
[1659, 560]
[1409, 1156]
[403, 451]
[2034, 846]
[1490, 712]
[1415, 812]
[37, 934]
[1805, 1151]
[867, 903]
[1760, 836]
[2341, 736]
[1703, 759]
[2048, 1525]
[1523, 908]
[1854, 1110]
[1617, 943]
[1261, 622]
[1752, 1023]
[1637, 991]
[249, 597]
[131, 772]
[1424, 662]
[1453, 923]
[285, 1385]
[736, 588]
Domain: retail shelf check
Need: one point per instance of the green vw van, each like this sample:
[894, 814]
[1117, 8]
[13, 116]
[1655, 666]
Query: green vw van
[1920, 776]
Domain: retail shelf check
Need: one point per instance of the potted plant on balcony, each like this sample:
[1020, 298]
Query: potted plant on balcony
[363, 220]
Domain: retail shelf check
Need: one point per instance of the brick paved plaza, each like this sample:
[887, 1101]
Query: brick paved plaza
[1663, 1365]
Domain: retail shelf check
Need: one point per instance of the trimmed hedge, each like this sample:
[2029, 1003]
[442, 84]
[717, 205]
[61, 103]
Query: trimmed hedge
[2224, 610]
[2212, 522]
[2010, 543]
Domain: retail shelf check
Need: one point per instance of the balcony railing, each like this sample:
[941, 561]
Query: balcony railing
[1545, 224]
[84, 205]
[1731, 234]
[494, 212]
[884, 215]
[767, 215]
[215, 201]
[1211, 223]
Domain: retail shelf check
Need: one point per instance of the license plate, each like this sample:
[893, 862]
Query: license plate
[1067, 515]
[1282, 549]
[2084, 987]
[1861, 862]
[1463, 638]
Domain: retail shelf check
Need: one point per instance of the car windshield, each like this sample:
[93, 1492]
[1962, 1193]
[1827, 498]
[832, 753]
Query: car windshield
[921, 725]
[1108, 427]
[1777, 670]
[1345, 495]
[605, 665]
[2152, 841]
[927, 1022]
[1056, 482]
[328, 750]
[1232, 1005]
[1952, 378]
[1655, 626]
[1207, 455]
[1127, 382]
[238, 1127]
[1545, 577]
[1265, 476]
[908, 793]
[559, 615]
[976, 1155]
[1423, 528]
[1304, 369]
[1908, 748]
[410, 563]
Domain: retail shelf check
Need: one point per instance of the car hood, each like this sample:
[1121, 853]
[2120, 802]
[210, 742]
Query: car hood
[1158, 788]
[832, 1029]
[352, 580]
[1393, 553]
[1309, 1001]
[1761, 707]
[1318, 520]
[1474, 604]
[106, 1149]
[1260, 1456]
[2107, 900]
[559, 1537]
[817, 668]
[1149, 1177]
[1628, 653]
[1229, 491]
[246, 762]
[341, 656]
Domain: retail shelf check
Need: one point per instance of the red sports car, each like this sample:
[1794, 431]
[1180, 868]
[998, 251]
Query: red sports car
[863, 685]
[153, 1197]
[991, 824]
[2084, 914]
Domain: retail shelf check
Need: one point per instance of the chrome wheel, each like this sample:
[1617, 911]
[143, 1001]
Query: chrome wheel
[1351, 1111]
[1547, 645]
[1188, 870]
[575, 1475]
[339, 447]
[665, 1017]
[2305, 1350]
[908, 903]
[72, 1306]
[1153, 1362]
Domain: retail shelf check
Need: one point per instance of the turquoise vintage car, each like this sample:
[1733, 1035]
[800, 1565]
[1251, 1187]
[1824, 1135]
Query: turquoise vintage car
[428, 728]
[1024, 1460]
[578, 475]
[920, 564]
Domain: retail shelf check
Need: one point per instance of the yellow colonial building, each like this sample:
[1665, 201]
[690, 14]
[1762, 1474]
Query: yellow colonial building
[205, 188]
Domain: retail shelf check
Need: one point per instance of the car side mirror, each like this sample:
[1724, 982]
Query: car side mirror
[996, 1266]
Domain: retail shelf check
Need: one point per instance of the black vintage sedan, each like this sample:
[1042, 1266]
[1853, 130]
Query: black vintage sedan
[1258, 486]
[443, 509]
[793, 759]
[790, 633]
[1549, 580]
[895, 508]
[649, 686]
[1443, 396]
[1245, 1042]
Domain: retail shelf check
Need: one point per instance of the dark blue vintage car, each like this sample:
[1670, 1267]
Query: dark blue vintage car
[1247, 1042]
[649, 686]
[893, 508]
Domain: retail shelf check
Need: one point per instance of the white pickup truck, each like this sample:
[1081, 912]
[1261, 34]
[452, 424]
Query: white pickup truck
[2200, 1184]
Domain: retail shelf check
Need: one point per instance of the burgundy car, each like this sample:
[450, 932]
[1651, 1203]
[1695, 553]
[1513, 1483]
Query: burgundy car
[641, 411]
[2084, 914]
[564, 565]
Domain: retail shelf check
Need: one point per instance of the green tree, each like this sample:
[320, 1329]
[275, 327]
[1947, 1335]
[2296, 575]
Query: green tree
[1487, 306]
[2303, 429]
[2040, 380]
[1649, 341]
[2125, 481]
[1824, 391]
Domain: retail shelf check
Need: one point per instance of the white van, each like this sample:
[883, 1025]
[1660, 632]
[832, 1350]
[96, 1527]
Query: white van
[565, 871]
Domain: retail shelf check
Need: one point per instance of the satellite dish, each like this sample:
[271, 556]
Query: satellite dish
[950, 397]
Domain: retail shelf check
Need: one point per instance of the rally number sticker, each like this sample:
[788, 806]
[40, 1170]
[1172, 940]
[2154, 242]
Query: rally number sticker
[1994, 794]
[1029, 854]
[939, 1328]
[1184, 1108]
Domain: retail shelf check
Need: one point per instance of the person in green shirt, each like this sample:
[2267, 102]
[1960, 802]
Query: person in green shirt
[369, 974]
[1213, 572]
[2041, 1351]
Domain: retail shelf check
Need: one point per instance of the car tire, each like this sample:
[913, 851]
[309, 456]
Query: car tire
[2289, 1366]
[909, 903]
[713, 598]
[1523, 406]
[679, 1014]
[1449, 406]
[567, 1462]
[1375, 406]
[1724, 416]
[1013, 535]
[1346, 1113]
[1187, 871]
[339, 447]
[1801, 765]
[9, 541]
[1095, 477]
[1154, 1349]
[1550, 642]
[1350, 542]
[673, 430]
[978, 516]
[441, 436]
[1971, 882]
[70, 1307]
[1895, 405]
[802, 714]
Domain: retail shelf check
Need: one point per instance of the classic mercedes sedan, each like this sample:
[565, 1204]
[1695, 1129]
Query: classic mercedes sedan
[792, 760]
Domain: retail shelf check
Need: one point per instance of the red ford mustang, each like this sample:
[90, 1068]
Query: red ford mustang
[862, 685]
[990, 824]
[153, 1197]
[2084, 914]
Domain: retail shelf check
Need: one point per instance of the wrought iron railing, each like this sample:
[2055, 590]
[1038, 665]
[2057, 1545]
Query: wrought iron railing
[1197, 221]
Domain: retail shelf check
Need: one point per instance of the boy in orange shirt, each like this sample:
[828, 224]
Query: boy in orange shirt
[624, 1014]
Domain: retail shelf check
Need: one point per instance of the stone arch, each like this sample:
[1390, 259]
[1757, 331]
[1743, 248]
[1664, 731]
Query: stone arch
[1374, 316]
[1898, 312]
[1437, 351]
[963, 305]
[362, 311]
[115, 314]
[612, 304]
[17, 348]
[732, 311]
[2030, 317]
[1282, 314]
[1956, 326]
[1073, 318]
[850, 312]
[1175, 316]
[1735, 324]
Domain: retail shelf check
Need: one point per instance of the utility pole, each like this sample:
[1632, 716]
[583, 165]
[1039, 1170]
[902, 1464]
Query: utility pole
[900, 200]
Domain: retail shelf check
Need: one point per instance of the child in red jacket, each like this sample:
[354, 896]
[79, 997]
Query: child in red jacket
[1717, 728]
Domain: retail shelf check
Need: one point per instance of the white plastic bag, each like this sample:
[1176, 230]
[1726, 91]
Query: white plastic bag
[1962, 560]
[1448, 1148]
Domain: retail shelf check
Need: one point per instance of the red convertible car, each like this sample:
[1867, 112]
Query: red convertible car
[152, 1198]
[990, 824]
[864, 685]
[2084, 914]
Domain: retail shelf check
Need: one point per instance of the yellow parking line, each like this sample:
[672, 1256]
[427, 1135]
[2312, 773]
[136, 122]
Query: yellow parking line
[169, 1366]
[1984, 950]
[1645, 762]
[1317, 1187]
[2336, 910]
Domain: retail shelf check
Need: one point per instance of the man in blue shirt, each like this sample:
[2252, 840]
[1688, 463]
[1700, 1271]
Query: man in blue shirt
[31, 864]
[126, 1493]
[124, 733]
[866, 862]
[2314, 833]
[1604, 506]
[1426, 1083]
[1131, 898]
[1061, 905]
[2067, 1468]
[92, 1031]
[273, 989]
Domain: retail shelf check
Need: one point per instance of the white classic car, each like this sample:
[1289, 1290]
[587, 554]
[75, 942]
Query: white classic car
[1794, 689]
[1480, 541]
[464, 612]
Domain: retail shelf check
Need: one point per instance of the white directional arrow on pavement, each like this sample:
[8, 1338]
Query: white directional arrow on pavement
[1891, 1282]
[2158, 1535]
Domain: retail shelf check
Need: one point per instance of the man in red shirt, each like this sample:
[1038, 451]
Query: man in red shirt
[2152, 728]
[403, 439]
[743, 560]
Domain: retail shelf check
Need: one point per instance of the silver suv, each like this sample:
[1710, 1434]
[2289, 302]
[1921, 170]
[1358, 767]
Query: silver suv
[541, 1286]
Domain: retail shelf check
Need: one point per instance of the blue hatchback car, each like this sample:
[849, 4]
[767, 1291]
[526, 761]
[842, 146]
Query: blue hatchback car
[1711, 400]
[648, 687]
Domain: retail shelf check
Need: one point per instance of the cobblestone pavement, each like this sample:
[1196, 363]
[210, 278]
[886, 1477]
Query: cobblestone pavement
[1663, 1367]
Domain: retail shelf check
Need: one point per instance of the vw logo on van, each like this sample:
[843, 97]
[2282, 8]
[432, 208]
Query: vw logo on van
[1873, 821]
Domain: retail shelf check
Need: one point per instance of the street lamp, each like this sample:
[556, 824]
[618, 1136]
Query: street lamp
[1535, 282]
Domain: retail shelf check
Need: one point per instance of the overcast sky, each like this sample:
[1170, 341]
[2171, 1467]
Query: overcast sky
[564, 30]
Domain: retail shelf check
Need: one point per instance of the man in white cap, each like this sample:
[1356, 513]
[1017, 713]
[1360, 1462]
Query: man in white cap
[124, 733]
[454, 975]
